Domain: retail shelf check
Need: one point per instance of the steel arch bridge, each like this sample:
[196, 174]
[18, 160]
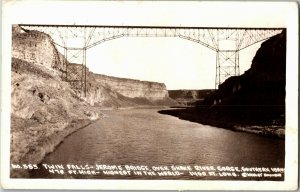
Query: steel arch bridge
[75, 40]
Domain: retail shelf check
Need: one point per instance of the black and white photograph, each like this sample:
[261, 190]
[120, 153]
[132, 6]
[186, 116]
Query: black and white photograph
[149, 95]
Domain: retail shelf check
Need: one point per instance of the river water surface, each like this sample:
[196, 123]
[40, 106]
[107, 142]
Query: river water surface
[145, 137]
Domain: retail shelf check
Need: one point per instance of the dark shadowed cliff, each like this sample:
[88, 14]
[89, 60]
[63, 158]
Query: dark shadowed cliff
[254, 101]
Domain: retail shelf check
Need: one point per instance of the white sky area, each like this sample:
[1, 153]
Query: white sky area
[178, 63]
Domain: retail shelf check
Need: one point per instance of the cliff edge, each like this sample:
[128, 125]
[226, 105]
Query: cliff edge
[252, 102]
[45, 108]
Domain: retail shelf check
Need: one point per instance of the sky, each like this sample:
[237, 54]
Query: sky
[178, 63]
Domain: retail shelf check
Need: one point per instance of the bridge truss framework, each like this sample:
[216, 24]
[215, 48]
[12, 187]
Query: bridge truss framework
[75, 40]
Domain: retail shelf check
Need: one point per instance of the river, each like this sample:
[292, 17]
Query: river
[145, 137]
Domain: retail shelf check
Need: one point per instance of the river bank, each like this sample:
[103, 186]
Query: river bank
[44, 110]
[145, 137]
[32, 141]
[252, 102]
[203, 115]
[40, 140]
[29, 148]
[47, 98]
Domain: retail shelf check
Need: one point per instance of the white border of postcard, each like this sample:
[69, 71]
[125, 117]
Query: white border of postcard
[248, 14]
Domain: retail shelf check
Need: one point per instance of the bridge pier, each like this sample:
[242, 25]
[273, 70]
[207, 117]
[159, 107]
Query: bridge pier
[227, 65]
[76, 71]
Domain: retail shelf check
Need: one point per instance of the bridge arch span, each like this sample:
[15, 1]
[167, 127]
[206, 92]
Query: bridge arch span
[88, 36]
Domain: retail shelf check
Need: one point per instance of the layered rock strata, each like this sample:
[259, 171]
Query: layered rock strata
[45, 108]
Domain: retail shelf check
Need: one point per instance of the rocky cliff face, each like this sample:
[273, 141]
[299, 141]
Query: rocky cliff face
[37, 48]
[254, 101]
[258, 96]
[110, 91]
[133, 88]
[45, 108]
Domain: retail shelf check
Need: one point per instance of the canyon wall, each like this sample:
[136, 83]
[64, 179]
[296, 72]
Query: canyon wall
[38, 48]
[110, 91]
[45, 108]
[254, 101]
[258, 95]
[263, 83]
[133, 88]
